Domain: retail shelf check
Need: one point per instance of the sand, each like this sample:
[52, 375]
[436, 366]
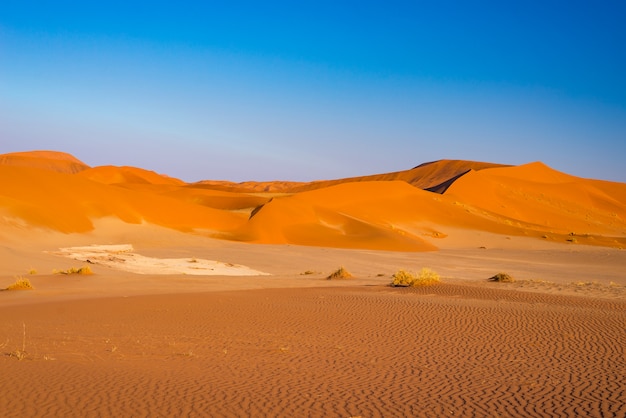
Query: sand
[208, 302]
[122, 257]
[448, 350]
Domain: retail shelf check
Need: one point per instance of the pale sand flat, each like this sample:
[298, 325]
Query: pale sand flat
[122, 257]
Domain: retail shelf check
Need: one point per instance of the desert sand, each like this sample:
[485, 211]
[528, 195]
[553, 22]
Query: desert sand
[211, 298]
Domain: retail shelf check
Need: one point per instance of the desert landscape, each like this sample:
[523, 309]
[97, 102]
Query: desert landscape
[149, 296]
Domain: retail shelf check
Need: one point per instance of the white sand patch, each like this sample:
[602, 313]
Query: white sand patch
[122, 257]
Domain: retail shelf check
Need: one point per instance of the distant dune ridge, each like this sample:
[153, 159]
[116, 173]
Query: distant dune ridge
[410, 210]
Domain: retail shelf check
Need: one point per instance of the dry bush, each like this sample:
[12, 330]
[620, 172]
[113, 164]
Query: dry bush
[502, 278]
[21, 283]
[74, 270]
[426, 277]
[340, 273]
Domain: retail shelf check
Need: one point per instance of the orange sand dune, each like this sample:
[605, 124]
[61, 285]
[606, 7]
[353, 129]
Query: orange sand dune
[249, 186]
[47, 160]
[435, 176]
[553, 202]
[218, 199]
[381, 214]
[386, 211]
[69, 203]
[116, 175]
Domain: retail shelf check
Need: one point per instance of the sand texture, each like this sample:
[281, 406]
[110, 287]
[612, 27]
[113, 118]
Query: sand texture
[448, 350]
[212, 298]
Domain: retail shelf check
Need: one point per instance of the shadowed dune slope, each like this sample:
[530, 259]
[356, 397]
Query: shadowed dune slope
[218, 199]
[46, 160]
[378, 215]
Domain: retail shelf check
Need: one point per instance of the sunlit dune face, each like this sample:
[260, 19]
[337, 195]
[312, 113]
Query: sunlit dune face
[382, 212]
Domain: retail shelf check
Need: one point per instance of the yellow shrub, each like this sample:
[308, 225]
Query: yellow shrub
[21, 283]
[425, 277]
[341, 273]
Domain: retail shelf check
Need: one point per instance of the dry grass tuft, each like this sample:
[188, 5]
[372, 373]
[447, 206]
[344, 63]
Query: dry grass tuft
[426, 277]
[340, 273]
[21, 354]
[21, 283]
[32, 271]
[502, 278]
[74, 270]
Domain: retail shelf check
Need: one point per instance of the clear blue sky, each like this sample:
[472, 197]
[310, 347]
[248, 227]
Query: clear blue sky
[311, 90]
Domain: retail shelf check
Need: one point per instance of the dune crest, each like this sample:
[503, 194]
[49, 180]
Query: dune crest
[46, 160]
[433, 176]
[127, 175]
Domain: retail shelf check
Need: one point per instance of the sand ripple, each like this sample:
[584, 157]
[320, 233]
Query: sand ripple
[372, 352]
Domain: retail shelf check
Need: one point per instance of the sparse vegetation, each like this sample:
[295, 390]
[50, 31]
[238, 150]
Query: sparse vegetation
[581, 283]
[21, 283]
[306, 273]
[340, 273]
[74, 270]
[21, 354]
[426, 277]
[32, 271]
[502, 278]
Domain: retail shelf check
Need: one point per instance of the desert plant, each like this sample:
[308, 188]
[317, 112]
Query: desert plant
[21, 283]
[340, 273]
[21, 354]
[74, 270]
[32, 271]
[425, 277]
[502, 278]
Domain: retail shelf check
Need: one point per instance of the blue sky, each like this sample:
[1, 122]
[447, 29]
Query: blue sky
[316, 90]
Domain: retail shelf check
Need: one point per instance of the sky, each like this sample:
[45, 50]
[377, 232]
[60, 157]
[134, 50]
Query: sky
[305, 90]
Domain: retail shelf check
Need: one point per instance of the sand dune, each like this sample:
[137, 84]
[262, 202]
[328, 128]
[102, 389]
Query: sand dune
[131, 175]
[47, 160]
[435, 176]
[69, 203]
[547, 200]
[413, 210]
